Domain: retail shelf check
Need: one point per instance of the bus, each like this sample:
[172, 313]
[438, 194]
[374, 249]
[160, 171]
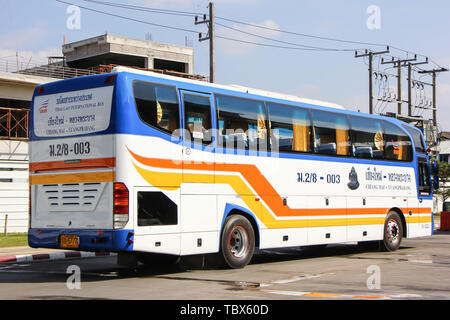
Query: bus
[147, 165]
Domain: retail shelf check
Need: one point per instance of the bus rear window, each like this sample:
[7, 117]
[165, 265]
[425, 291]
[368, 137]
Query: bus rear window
[157, 105]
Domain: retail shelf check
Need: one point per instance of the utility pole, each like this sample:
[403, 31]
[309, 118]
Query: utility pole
[409, 90]
[210, 37]
[399, 81]
[433, 73]
[370, 54]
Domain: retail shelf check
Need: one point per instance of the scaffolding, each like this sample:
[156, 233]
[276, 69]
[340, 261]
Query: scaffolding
[14, 123]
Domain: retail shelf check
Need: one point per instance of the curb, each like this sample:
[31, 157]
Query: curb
[53, 256]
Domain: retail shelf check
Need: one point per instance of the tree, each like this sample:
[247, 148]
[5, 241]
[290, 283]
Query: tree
[444, 177]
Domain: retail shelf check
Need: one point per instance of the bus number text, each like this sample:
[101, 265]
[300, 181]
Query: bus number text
[64, 149]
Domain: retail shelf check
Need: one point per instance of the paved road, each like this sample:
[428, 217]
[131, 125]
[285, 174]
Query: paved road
[420, 269]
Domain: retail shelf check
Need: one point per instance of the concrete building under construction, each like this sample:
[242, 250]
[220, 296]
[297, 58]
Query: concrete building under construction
[111, 49]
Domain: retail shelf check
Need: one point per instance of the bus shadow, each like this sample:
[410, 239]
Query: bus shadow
[106, 268]
[307, 253]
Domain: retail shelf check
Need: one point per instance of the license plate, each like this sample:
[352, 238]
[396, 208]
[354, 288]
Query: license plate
[69, 241]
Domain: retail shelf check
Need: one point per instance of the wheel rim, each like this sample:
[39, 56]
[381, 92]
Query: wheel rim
[393, 232]
[238, 242]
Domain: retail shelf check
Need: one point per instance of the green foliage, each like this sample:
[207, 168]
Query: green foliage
[444, 177]
[444, 171]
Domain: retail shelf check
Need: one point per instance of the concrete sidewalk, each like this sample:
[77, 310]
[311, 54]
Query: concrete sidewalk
[28, 254]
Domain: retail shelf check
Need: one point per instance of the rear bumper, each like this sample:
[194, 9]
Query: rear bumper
[89, 240]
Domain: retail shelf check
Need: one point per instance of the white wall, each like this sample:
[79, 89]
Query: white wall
[14, 190]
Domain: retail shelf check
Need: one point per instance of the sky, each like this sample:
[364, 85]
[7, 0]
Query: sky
[36, 29]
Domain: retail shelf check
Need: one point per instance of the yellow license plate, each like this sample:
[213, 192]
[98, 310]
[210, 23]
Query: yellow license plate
[69, 241]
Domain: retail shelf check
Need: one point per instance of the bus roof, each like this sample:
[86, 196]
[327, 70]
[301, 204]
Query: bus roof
[234, 87]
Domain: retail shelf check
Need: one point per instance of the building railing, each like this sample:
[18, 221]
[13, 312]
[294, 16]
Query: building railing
[55, 70]
[14, 123]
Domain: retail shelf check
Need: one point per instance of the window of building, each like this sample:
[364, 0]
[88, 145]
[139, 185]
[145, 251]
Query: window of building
[367, 138]
[197, 117]
[157, 105]
[331, 133]
[241, 123]
[398, 146]
[290, 128]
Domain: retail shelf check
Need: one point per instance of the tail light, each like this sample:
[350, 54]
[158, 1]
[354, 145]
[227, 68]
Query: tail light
[121, 204]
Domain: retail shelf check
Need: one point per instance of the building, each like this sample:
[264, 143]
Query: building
[112, 49]
[17, 84]
[444, 146]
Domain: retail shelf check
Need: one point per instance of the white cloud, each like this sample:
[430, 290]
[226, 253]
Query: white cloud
[244, 34]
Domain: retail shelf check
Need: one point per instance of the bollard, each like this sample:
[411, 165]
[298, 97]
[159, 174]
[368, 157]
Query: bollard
[5, 229]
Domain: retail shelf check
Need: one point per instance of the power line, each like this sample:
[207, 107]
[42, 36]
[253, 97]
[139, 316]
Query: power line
[267, 45]
[190, 14]
[147, 9]
[284, 42]
[299, 34]
[185, 13]
[306, 48]
[128, 18]
[323, 38]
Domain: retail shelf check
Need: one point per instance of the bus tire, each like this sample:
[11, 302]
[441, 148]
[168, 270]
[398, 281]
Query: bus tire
[392, 232]
[237, 242]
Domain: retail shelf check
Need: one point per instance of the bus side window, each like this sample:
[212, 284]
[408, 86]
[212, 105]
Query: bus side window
[331, 133]
[419, 144]
[157, 105]
[241, 123]
[398, 146]
[367, 138]
[290, 128]
[197, 115]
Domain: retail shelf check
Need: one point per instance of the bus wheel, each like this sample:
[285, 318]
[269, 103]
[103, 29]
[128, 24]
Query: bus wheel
[237, 242]
[393, 231]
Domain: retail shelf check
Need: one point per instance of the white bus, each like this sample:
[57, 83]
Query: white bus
[140, 163]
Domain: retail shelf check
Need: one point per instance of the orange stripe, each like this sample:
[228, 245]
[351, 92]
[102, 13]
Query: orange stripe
[74, 178]
[260, 184]
[64, 165]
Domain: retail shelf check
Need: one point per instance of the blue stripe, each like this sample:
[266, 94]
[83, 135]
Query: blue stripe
[90, 240]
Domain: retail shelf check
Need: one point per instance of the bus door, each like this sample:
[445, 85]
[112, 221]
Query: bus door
[425, 202]
[198, 197]
[420, 204]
